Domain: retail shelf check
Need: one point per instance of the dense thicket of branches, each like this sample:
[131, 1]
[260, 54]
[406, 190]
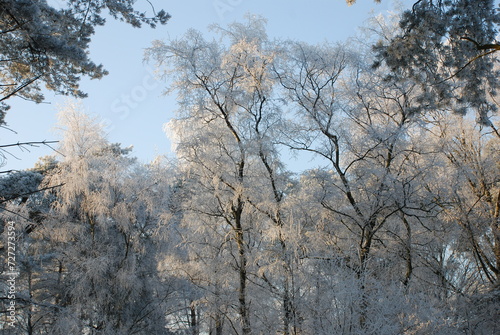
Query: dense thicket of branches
[450, 49]
[394, 228]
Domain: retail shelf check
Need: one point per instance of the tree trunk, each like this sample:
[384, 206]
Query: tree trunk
[496, 237]
[193, 319]
[366, 242]
[407, 246]
[29, 325]
[286, 307]
[240, 241]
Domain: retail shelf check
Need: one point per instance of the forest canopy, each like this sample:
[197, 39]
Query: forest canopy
[395, 230]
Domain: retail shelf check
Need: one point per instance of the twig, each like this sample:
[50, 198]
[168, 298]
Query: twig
[33, 144]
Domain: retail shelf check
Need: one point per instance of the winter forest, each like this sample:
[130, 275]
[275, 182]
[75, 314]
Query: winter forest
[393, 229]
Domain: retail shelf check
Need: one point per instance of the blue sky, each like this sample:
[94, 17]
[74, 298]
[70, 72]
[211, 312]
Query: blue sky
[130, 101]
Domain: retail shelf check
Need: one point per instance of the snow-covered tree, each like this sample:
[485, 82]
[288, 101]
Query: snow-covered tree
[470, 197]
[366, 132]
[337, 250]
[90, 266]
[43, 44]
[226, 137]
[450, 49]
[394, 231]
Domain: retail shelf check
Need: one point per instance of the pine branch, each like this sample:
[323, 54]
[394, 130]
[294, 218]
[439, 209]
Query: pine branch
[479, 46]
[32, 192]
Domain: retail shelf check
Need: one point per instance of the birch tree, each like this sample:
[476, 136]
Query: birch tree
[366, 132]
[226, 138]
[102, 229]
[470, 196]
